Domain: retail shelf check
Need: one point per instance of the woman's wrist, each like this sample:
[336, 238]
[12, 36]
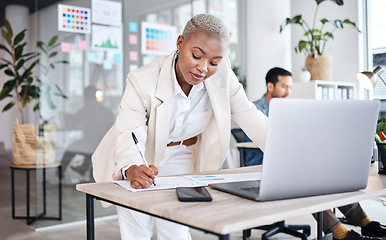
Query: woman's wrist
[129, 172]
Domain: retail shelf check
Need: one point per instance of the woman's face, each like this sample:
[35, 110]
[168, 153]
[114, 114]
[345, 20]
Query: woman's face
[200, 56]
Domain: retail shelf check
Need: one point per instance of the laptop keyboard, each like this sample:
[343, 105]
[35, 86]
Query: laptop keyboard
[251, 189]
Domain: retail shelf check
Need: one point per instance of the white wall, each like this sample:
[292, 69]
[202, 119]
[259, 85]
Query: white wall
[344, 49]
[266, 47]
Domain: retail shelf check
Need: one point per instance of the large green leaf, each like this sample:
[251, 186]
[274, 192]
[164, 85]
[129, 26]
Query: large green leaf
[5, 92]
[37, 107]
[7, 37]
[8, 27]
[19, 51]
[338, 23]
[41, 45]
[5, 49]
[323, 21]
[52, 40]
[9, 72]
[303, 45]
[347, 21]
[6, 61]
[20, 64]
[3, 66]
[338, 2]
[53, 54]
[328, 35]
[8, 106]
[19, 37]
[295, 20]
[61, 61]
[9, 85]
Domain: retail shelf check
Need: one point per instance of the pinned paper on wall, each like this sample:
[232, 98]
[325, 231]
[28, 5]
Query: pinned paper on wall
[106, 12]
[106, 38]
[65, 47]
[107, 64]
[158, 39]
[76, 57]
[73, 19]
[91, 57]
[117, 57]
[82, 45]
[133, 27]
[133, 56]
[132, 67]
[133, 39]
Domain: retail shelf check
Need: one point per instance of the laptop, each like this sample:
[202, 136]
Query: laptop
[313, 147]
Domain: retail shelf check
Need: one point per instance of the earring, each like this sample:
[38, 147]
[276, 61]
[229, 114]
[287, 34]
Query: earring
[177, 53]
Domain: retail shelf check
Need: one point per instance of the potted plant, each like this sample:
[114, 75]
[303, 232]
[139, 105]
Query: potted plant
[316, 38]
[28, 139]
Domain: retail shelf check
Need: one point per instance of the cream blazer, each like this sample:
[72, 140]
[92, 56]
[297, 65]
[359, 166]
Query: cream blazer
[145, 110]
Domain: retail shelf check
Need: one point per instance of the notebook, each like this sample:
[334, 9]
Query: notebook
[313, 147]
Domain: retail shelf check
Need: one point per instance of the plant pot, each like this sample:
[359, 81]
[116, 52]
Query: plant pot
[33, 144]
[305, 76]
[320, 67]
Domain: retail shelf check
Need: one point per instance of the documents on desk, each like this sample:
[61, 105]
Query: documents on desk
[192, 181]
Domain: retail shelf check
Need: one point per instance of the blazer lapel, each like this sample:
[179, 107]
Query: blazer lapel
[164, 93]
[218, 97]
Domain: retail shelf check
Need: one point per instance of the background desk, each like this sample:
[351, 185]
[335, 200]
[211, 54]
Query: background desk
[226, 213]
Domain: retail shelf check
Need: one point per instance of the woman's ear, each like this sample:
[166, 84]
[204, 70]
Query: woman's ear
[180, 40]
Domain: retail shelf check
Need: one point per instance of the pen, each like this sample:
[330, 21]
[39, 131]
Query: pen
[140, 152]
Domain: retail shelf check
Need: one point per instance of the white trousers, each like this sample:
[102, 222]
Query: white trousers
[139, 226]
[134, 225]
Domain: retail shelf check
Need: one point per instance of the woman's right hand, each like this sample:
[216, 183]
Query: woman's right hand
[141, 176]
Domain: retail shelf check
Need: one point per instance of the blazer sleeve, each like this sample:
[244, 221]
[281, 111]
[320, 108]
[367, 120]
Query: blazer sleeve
[245, 114]
[132, 117]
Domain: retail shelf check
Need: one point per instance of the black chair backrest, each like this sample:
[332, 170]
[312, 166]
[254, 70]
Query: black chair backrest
[238, 134]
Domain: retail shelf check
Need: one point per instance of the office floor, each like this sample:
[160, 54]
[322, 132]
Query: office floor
[106, 224]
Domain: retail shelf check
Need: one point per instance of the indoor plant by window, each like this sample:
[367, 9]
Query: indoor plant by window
[316, 38]
[28, 139]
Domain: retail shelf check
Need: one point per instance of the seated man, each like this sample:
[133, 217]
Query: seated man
[279, 84]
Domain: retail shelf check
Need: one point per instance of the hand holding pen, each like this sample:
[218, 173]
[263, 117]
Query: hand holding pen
[141, 176]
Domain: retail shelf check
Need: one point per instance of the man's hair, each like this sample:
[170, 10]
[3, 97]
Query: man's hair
[208, 23]
[273, 73]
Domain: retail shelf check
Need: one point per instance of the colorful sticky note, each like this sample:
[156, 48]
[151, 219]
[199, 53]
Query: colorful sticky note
[76, 57]
[66, 47]
[82, 45]
[133, 39]
[107, 64]
[133, 56]
[133, 27]
[132, 67]
[91, 57]
[117, 57]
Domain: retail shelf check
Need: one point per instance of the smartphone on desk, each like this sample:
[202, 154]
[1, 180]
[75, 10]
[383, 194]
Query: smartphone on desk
[193, 194]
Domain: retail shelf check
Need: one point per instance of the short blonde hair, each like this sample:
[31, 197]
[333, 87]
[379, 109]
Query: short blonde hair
[206, 22]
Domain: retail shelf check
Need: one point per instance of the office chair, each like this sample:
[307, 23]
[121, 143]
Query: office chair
[275, 228]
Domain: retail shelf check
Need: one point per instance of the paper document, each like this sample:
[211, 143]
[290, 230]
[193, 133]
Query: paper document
[192, 181]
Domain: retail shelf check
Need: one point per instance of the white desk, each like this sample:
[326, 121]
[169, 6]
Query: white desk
[226, 213]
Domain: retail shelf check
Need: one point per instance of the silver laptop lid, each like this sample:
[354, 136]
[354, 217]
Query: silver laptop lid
[317, 147]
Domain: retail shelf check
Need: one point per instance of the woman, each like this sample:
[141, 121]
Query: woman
[180, 108]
